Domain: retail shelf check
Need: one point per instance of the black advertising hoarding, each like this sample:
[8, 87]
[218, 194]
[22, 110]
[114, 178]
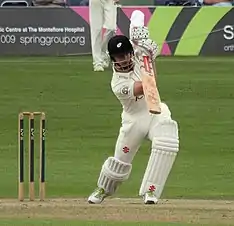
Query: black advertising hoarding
[179, 31]
[221, 40]
[43, 31]
[189, 31]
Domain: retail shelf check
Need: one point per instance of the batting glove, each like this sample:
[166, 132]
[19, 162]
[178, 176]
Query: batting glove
[150, 46]
[138, 33]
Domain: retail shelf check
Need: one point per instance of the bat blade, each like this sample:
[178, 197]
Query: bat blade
[148, 74]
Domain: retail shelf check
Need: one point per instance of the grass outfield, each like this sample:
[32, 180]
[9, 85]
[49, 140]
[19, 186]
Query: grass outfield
[83, 119]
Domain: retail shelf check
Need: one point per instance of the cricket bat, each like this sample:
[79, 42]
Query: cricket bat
[148, 69]
[148, 76]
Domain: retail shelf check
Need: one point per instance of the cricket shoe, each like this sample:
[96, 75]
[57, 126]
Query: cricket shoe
[97, 196]
[150, 198]
[98, 68]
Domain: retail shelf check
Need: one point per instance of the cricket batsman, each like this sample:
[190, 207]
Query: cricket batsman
[103, 14]
[137, 124]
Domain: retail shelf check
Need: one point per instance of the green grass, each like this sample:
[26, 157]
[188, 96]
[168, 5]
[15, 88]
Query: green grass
[83, 119]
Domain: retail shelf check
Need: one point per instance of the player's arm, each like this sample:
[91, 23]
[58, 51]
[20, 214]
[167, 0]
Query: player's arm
[138, 89]
[127, 89]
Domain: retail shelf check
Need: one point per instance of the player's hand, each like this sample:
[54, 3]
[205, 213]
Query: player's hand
[150, 46]
[139, 33]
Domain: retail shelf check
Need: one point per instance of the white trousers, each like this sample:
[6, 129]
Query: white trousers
[134, 131]
[102, 14]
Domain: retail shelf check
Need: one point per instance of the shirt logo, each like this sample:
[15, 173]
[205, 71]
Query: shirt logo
[125, 90]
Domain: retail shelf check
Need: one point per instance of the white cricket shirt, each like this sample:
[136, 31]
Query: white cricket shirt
[122, 85]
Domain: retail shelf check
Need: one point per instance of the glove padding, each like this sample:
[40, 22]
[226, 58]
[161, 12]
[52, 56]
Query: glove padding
[138, 33]
[149, 46]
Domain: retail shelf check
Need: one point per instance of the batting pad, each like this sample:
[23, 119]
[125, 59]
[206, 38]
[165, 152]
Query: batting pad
[113, 173]
[165, 147]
